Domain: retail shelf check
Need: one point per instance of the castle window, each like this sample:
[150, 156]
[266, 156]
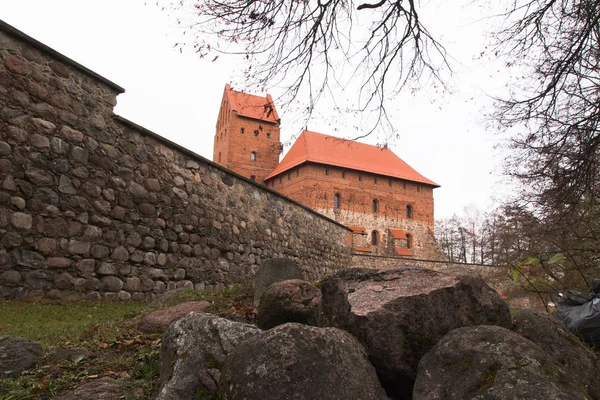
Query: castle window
[242, 131]
[253, 178]
[359, 177]
[418, 188]
[409, 241]
[409, 211]
[344, 174]
[336, 200]
[289, 176]
[268, 135]
[375, 238]
[326, 171]
[375, 180]
[298, 171]
[403, 185]
[253, 156]
[375, 205]
[219, 156]
[256, 132]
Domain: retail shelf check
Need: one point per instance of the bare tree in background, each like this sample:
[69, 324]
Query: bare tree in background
[555, 104]
[312, 47]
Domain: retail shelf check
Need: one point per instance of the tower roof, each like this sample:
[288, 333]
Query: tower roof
[330, 150]
[252, 106]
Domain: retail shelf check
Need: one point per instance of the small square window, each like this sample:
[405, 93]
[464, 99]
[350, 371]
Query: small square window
[242, 131]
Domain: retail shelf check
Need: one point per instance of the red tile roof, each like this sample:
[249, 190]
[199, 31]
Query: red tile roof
[403, 251]
[252, 106]
[357, 229]
[363, 249]
[330, 150]
[398, 234]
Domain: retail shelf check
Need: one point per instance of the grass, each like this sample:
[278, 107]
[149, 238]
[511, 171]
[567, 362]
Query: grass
[54, 324]
[107, 329]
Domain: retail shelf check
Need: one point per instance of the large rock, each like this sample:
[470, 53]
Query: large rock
[293, 300]
[192, 352]
[97, 389]
[399, 315]
[17, 354]
[274, 270]
[561, 346]
[300, 362]
[159, 320]
[490, 362]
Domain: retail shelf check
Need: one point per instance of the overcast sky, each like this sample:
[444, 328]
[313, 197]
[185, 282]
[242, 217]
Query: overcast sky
[444, 137]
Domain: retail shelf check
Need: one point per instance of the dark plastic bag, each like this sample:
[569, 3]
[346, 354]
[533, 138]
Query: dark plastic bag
[583, 320]
[574, 298]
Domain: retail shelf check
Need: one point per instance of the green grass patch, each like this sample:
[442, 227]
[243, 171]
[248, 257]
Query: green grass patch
[53, 324]
[110, 330]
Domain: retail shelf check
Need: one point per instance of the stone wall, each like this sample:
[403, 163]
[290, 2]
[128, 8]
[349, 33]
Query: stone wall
[93, 206]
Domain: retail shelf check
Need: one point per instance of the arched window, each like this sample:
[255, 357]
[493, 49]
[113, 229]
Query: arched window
[409, 211]
[409, 240]
[253, 156]
[375, 238]
[336, 200]
[375, 206]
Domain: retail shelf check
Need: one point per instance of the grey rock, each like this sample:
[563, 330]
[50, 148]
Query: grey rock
[107, 268]
[64, 281]
[17, 354]
[561, 346]
[97, 389]
[293, 300]
[79, 247]
[300, 362]
[160, 320]
[274, 270]
[120, 253]
[31, 259]
[490, 362]
[123, 296]
[111, 284]
[399, 315]
[21, 220]
[191, 347]
[66, 186]
[10, 277]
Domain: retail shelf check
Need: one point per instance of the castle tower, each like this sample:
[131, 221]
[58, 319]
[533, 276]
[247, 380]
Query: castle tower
[247, 134]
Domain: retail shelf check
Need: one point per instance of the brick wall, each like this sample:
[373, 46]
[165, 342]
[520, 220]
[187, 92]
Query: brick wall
[93, 206]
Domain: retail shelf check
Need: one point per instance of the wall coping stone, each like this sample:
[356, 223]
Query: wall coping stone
[11, 30]
[198, 157]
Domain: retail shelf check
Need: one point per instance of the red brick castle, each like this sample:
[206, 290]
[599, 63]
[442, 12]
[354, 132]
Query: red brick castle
[387, 204]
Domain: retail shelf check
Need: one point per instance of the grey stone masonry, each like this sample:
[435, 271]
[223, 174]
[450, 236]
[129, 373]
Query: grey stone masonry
[93, 206]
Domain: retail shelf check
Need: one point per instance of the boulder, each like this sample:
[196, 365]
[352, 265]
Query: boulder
[192, 352]
[490, 362]
[98, 389]
[274, 270]
[295, 361]
[17, 354]
[561, 346]
[399, 315]
[72, 355]
[159, 320]
[293, 300]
